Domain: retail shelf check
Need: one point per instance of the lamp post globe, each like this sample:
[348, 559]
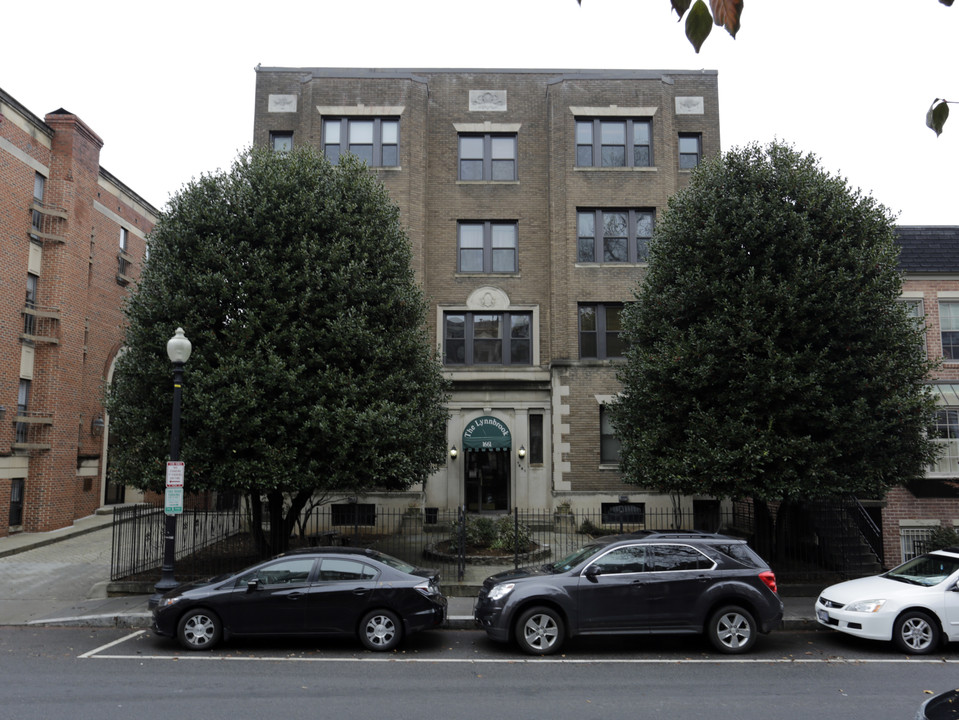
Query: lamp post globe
[178, 349]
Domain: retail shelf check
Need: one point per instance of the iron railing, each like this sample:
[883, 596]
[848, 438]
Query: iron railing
[463, 547]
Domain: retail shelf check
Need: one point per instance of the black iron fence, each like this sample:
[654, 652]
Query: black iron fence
[466, 547]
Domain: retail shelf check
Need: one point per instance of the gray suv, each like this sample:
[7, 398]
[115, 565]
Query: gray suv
[642, 583]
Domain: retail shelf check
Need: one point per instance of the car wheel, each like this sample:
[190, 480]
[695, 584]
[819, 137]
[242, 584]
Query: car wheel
[915, 633]
[380, 630]
[732, 630]
[199, 629]
[540, 631]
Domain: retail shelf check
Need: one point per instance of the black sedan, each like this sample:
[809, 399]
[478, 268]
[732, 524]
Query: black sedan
[641, 583]
[325, 591]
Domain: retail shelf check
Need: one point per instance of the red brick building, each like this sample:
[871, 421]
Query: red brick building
[930, 260]
[72, 237]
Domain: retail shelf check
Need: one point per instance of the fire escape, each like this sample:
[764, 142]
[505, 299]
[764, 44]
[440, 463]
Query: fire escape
[41, 325]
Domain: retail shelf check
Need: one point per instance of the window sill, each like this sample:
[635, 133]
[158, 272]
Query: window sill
[594, 168]
[487, 182]
[492, 275]
[610, 264]
[609, 467]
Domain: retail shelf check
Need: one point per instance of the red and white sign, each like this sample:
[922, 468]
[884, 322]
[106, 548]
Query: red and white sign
[175, 470]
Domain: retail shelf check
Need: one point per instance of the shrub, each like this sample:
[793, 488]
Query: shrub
[942, 537]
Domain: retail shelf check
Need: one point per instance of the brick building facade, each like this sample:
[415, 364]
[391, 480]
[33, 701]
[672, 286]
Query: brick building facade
[72, 237]
[528, 196]
[929, 257]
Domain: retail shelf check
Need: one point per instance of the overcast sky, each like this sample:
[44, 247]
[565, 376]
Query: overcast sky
[170, 88]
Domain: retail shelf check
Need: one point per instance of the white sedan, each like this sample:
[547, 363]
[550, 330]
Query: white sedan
[916, 605]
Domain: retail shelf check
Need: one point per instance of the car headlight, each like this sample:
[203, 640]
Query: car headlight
[167, 602]
[866, 606]
[501, 591]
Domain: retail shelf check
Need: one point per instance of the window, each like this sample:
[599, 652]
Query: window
[16, 502]
[353, 514]
[614, 143]
[487, 157]
[613, 236]
[690, 150]
[609, 445]
[630, 559]
[536, 439]
[914, 311]
[487, 247]
[39, 186]
[289, 571]
[600, 326]
[123, 259]
[23, 402]
[373, 140]
[339, 570]
[615, 513]
[471, 338]
[673, 558]
[947, 435]
[281, 141]
[30, 320]
[949, 327]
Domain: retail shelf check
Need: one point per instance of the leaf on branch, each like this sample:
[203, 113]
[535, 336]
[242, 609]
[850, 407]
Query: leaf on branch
[946, 2]
[726, 14]
[699, 23]
[937, 115]
[681, 6]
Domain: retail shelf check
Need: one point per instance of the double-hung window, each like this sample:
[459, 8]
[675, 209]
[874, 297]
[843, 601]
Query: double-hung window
[487, 247]
[374, 140]
[619, 142]
[613, 236]
[949, 329]
[600, 325]
[690, 150]
[947, 436]
[610, 446]
[480, 338]
[487, 156]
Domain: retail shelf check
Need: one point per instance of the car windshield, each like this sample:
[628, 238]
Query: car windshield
[574, 559]
[925, 570]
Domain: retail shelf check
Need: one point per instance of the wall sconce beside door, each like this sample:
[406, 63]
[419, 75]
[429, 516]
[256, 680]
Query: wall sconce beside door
[453, 452]
[96, 426]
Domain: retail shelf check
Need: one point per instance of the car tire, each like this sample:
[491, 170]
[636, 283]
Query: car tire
[916, 633]
[199, 629]
[540, 631]
[380, 630]
[732, 630]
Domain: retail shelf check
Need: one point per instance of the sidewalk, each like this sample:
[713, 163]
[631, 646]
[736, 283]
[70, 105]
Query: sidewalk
[61, 578]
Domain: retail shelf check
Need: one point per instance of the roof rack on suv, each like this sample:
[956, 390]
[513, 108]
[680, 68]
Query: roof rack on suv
[700, 534]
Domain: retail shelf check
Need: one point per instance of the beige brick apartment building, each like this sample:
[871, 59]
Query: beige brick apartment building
[529, 196]
[72, 237]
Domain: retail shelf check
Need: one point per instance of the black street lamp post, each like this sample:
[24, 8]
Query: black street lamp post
[178, 349]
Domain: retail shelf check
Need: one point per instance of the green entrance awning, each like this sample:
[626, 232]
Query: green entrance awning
[486, 433]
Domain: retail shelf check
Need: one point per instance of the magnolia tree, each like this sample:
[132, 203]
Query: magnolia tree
[768, 354]
[312, 371]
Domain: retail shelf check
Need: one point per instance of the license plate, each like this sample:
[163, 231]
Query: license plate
[823, 616]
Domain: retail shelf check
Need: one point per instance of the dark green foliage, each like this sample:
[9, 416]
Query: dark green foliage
[312, 369]
[769, 355]
[942, 537]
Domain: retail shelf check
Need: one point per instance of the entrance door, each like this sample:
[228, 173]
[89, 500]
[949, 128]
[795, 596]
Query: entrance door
[487, 481]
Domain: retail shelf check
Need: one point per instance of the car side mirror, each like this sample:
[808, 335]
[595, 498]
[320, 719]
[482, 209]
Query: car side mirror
[253, 585]
[592, 572]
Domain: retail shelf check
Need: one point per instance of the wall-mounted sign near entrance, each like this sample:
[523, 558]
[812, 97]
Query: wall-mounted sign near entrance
[486, 433]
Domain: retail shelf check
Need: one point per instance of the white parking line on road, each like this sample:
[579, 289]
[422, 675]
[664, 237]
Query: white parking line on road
[97, 654]
[94, 652]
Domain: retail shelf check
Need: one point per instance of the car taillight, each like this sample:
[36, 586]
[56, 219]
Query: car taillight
[769, 577]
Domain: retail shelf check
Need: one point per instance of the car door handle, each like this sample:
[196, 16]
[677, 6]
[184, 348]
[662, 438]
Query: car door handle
[361, 591]
[294, 596]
